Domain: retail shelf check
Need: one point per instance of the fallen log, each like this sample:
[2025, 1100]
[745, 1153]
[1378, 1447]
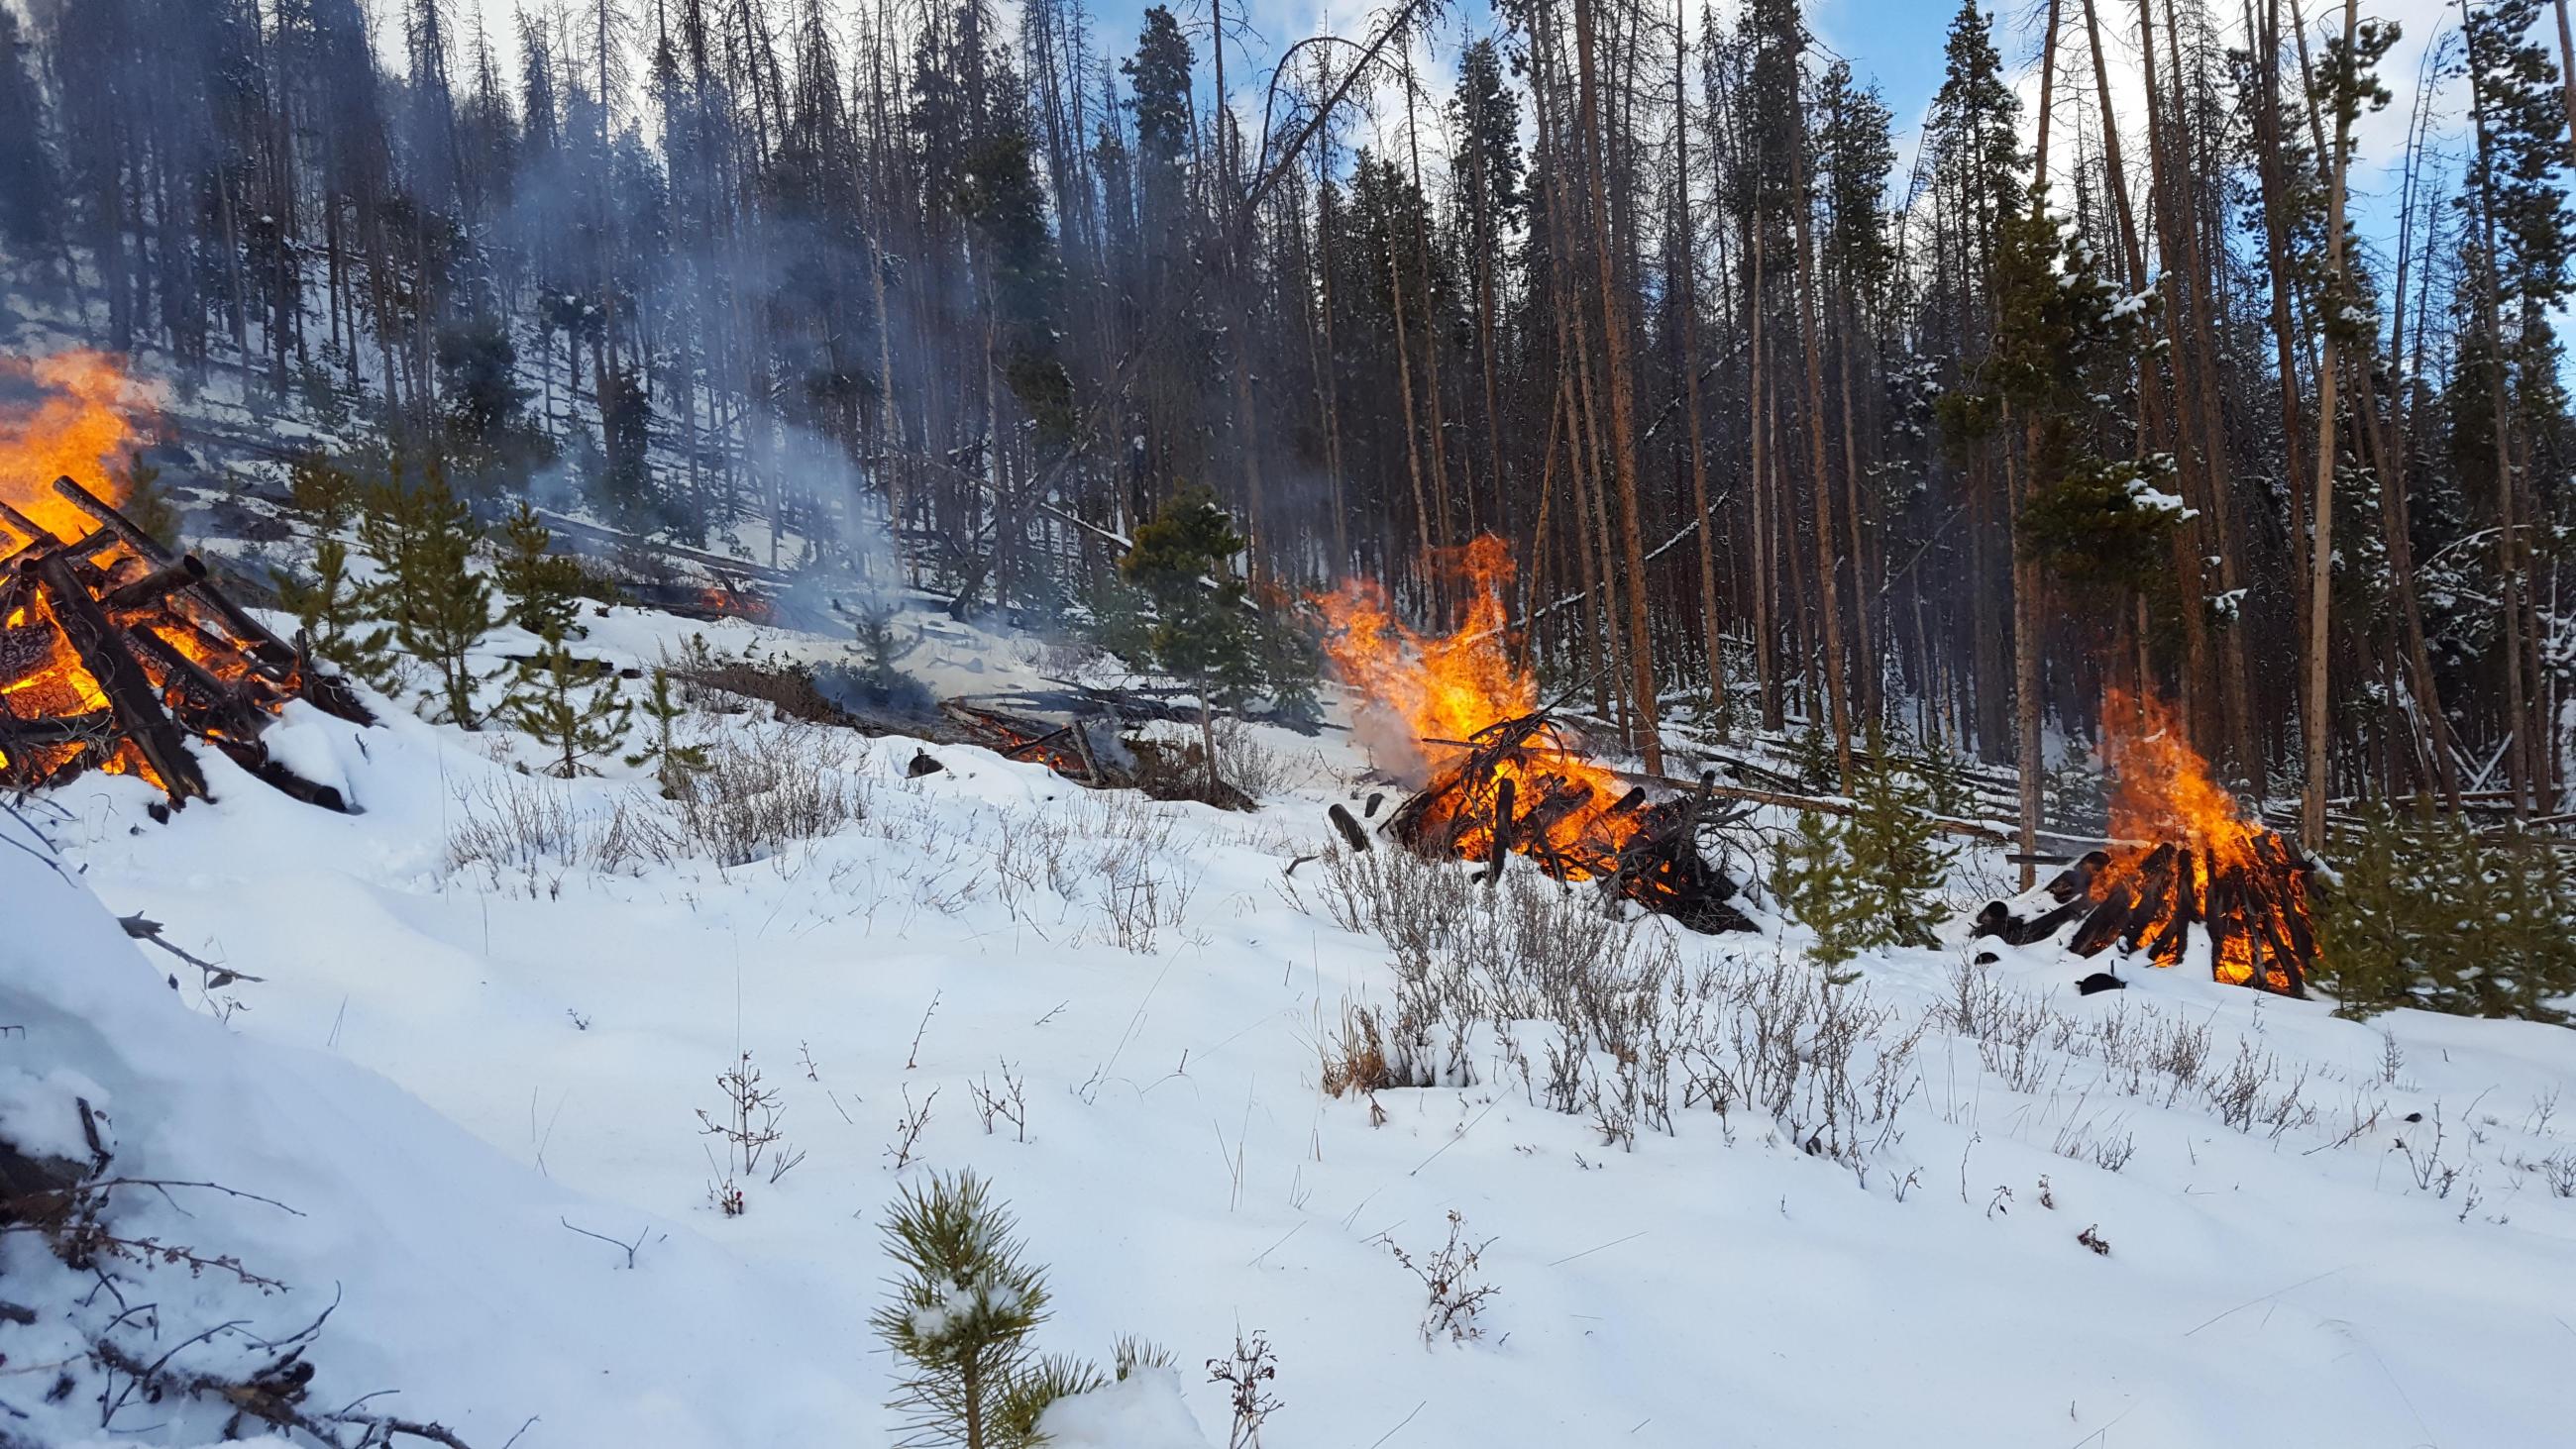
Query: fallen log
[1341, 817]
[129, 694]
[266, 652]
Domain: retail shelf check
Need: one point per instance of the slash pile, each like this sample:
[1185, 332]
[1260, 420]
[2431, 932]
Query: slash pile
[115, 651]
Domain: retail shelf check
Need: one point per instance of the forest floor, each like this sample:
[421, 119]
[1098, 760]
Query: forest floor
[1943, 1205]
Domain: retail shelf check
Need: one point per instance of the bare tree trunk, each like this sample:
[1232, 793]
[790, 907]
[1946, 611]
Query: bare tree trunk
[2312, 812]
[2567, 74]
[2025, 576]
[1765, 627]
[1829, 607]
[2518, 759]
[1623, 421]
[1689, 264]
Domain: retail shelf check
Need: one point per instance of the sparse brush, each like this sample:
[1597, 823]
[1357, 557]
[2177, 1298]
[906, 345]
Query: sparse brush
[1247, 1376]
[1450, 1279]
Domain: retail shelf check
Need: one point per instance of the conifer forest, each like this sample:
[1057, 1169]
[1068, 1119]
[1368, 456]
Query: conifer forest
[1787, 407]
[1338, 724]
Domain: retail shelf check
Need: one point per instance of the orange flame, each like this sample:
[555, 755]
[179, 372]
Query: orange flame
[2163, 793]
[74, 412]
[1446, 688]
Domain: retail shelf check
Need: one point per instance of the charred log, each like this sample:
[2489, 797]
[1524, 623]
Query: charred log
[129, 693]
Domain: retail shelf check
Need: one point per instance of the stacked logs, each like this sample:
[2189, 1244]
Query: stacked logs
[1520, 787]
[115, 650]
[2249, 904]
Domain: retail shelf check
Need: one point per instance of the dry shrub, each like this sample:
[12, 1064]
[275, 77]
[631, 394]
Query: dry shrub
[1253, 767]
[1142, 884]
[1356, 1060]
[527, 832]
[761, 791]
[1631, 1033]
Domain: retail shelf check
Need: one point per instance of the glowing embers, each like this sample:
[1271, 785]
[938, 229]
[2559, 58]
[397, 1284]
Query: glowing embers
[2188, 877]
[1498, 775]
[114, 651]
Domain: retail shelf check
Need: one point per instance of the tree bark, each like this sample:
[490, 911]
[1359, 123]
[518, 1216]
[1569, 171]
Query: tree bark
[1623, 421]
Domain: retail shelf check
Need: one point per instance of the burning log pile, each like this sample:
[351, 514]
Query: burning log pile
[1509, 780]
[2189, 880]
[1065, 749]
[1521, 787]
[114, 651]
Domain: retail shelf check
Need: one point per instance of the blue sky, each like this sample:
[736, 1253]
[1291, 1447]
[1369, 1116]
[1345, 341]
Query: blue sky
[1896, 43]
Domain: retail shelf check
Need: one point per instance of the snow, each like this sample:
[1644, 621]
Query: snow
[2152, 499]
[1144, 1410]
[449, 1061]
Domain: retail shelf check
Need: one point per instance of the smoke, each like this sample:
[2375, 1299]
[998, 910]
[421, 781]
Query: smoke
[1392, 746]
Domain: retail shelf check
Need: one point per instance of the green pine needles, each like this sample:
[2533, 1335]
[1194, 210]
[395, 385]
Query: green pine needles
[572, 706]
[2427, 912]
[1870, 879]
[543, 589]
[960, 1312]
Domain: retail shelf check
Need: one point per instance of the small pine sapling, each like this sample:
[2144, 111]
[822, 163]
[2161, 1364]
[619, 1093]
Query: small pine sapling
[882, 651]
[330, 610]
[543, 589]
[674, 764]
[423, 538]
[1811, 877]
[326, 493]
[1898, 858]
[574, 707]
[960, 1311]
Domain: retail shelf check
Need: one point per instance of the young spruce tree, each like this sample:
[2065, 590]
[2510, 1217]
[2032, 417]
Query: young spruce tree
[1203, 632]
[673, 762]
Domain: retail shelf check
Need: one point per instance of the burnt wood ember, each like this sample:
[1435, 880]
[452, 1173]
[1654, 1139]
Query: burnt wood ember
[2245, 901]
[1521, 787]
[115, 650]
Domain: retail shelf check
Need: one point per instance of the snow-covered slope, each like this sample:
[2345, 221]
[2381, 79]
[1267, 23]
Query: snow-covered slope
[494, 1005]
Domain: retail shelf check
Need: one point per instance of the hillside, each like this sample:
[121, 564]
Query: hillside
[1715, 1196]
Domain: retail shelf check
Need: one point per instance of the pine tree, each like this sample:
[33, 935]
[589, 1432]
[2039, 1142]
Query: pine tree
[961, 1310]
[542, 588]
[423, 538]
[574, 707]
[330, 610]
[881, 655]
[1871, 879]
[1203, 632]
[1811, 878]
[673, 762]
[1898, 859]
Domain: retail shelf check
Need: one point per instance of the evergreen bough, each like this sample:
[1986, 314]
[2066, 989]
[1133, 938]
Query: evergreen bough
[1870, 879]
[2426, 912]
[960, 1312]
[572, 706]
